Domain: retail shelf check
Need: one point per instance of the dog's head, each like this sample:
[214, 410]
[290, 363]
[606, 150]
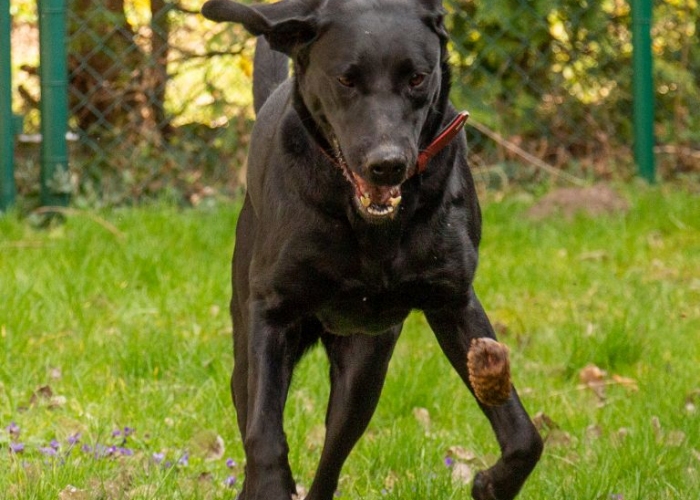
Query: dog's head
[370, 73]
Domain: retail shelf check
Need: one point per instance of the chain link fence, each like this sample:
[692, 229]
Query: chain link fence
[160, 99]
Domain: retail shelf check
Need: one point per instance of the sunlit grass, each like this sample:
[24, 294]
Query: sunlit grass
[107, 327]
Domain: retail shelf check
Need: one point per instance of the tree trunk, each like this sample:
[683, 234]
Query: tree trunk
[160, 30]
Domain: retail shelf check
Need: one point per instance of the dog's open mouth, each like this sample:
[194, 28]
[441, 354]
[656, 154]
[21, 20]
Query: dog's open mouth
[372, 201]
[377, 201]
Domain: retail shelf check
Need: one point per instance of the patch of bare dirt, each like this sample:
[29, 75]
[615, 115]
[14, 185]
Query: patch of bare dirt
[593, 201]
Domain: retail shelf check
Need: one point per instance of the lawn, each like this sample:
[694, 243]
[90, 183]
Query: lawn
[116, 355]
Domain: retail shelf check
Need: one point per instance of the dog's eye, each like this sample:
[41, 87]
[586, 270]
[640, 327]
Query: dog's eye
[416, 79]
[346, 81]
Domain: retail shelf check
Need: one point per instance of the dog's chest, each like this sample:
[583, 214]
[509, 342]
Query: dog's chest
[363, 311]
[378, 297]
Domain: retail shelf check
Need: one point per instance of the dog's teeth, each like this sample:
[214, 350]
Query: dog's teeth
[365, 200]
[395, 201]
[380, 211]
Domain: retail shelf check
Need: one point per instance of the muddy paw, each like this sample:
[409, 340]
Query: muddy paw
[489, 371]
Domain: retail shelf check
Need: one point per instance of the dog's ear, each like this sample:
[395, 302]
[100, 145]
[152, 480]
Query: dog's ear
[435, 17]
[286, 24]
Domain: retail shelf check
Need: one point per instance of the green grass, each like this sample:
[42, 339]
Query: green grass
[128, 327]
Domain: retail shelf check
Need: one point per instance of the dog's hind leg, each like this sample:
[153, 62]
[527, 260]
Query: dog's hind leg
[520, 443]
[270, 69]
[358, 369]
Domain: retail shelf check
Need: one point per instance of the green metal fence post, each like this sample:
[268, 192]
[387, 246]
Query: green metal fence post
[643, 88]
[7, 141]
[55, 176]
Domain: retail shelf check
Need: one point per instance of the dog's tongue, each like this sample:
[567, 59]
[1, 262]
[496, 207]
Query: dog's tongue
[380, 196]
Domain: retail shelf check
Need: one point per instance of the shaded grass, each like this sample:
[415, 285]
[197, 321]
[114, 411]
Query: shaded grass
[130, 328]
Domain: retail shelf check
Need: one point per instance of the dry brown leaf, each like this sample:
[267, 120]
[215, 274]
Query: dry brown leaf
[594, 378]
[674, 438]
[626, 382]
[73, 493]
[558, 437]
[208, 445]
[462, 473]
[422, 415]
[460, 453]
[391, 479]
[316, 437]
[543, 422]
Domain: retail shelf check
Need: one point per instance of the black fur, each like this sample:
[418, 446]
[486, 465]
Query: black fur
[340, 237]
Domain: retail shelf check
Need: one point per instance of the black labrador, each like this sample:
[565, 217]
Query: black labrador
[360, 207]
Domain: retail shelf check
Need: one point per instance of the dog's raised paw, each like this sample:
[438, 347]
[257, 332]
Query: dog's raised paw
[488, 363]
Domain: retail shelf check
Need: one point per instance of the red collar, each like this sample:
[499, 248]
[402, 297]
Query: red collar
[442, 140]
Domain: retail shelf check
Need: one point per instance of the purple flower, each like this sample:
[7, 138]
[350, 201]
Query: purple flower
[230, 481]
[449, 461]
[116, 433]
[55, 444]
[230, 463]
[13, 429]
[48, 451]
[128, 431]
[16, 447]
[158, 457]
[126, 452]
[86, 448]
[74, 439]
[184, 460]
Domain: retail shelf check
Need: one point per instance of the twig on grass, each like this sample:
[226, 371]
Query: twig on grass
[71, 211]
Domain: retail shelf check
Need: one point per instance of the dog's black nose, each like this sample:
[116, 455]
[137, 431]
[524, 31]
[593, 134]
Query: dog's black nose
[386, 168]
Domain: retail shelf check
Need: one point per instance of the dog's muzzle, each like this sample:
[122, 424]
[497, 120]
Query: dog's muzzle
[378, 198]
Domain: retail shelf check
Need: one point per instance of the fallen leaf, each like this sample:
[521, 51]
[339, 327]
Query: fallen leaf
[626, 382]
[422, 415]
[57, 402]
[674, 438]
[73, 493]
[620, 436]
[558, 437]
[42, 393]
[390, 480]
[462, 473]
[691, 401]
[143, 491]
[543, 422]
[595, 255]
[460, 453]
[594, 378]
[593, 432]
[208, 445]
[316, 437]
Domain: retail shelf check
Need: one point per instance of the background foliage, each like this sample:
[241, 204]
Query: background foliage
[160, 97]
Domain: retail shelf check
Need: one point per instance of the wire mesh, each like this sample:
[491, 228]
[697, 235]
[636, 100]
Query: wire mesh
[160, 98]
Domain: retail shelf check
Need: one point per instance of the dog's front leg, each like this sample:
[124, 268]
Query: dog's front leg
[272, 353]
[521, 445]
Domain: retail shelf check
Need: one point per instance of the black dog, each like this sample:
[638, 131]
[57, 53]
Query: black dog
[360, 207]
